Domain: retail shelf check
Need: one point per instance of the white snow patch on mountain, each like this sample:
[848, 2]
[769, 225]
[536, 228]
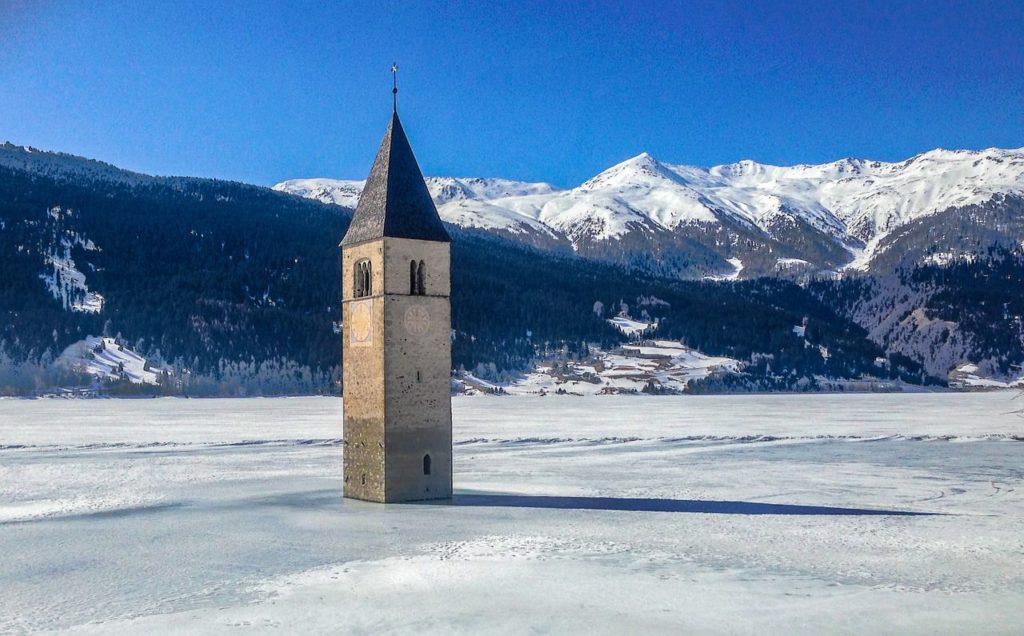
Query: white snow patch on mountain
[445, 189]
[489, 216]
[67, 284]
[337, 191]
[971, 376]
[91, 303]
[629, 326]
[104, 358]
[649, 365]
[61, 275]
[948, 258]
[737, 268]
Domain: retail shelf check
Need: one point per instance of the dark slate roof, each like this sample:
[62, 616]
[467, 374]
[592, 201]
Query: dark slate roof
[395, 201]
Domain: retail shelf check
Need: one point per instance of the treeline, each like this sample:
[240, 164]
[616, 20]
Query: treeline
[222, 281]
[978, 296]
[985, 297]
[513, 305]
[210, 272]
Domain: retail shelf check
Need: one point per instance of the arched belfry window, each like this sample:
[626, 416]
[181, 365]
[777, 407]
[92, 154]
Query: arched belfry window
[426, 464]
[421, 278]
[417, 278]
[362, 284]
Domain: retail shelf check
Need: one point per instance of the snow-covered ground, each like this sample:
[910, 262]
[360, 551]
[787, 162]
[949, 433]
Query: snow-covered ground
[737, 268]
[970, 376]
[738, 514]
[630, 326]
[104, 358]
[660, 366]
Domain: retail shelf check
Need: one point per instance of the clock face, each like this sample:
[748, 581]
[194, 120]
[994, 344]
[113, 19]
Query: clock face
[361, 319]
[417, 320]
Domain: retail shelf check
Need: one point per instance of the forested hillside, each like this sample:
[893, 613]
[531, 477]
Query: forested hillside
[230, 287]
[966, 307]
[519, 303]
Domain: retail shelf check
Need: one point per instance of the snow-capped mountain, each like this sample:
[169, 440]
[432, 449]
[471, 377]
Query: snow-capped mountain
[442, 189]
[337, 191]
[718, 221]
[198, 273]
[469, 202]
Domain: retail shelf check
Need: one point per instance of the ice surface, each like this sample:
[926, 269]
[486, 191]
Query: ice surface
[573, 515]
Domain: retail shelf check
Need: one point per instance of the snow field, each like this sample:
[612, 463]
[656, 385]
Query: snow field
[128, 516]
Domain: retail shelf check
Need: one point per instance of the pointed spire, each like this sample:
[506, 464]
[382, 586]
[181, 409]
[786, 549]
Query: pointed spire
[394, 87]
[395, 201]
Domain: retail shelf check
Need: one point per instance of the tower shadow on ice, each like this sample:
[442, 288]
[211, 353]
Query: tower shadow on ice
[626, 504]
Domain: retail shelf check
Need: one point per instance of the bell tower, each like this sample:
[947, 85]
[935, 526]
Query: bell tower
[396, 340]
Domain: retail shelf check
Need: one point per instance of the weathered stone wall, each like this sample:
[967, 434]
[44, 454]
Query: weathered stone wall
[363, 378]
[398, 253]
[418, 418]
[397, 396]
[372, 250]
[417, 363]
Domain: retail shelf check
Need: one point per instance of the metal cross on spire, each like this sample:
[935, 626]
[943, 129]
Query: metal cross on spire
[394, 84]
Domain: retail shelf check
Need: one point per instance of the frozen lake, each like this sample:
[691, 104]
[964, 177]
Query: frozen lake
[749, 514]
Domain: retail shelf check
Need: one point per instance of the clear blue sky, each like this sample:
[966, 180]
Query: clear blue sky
[265, 91]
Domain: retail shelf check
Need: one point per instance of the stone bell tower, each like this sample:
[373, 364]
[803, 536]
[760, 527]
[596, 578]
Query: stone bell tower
[396, 340]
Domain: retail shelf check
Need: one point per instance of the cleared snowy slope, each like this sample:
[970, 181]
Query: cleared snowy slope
[104, 358]
[653, 366]
[851, 204]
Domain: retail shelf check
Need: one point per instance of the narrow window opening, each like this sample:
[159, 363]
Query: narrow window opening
[421, 279]
[426, 464]
[412, 278]
[419, 377]
[363, 280]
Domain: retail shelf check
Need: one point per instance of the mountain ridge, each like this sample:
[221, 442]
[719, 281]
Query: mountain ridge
[233, 287]
[831, 216]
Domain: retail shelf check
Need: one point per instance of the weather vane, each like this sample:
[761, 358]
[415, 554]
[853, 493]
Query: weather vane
[394, 86]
